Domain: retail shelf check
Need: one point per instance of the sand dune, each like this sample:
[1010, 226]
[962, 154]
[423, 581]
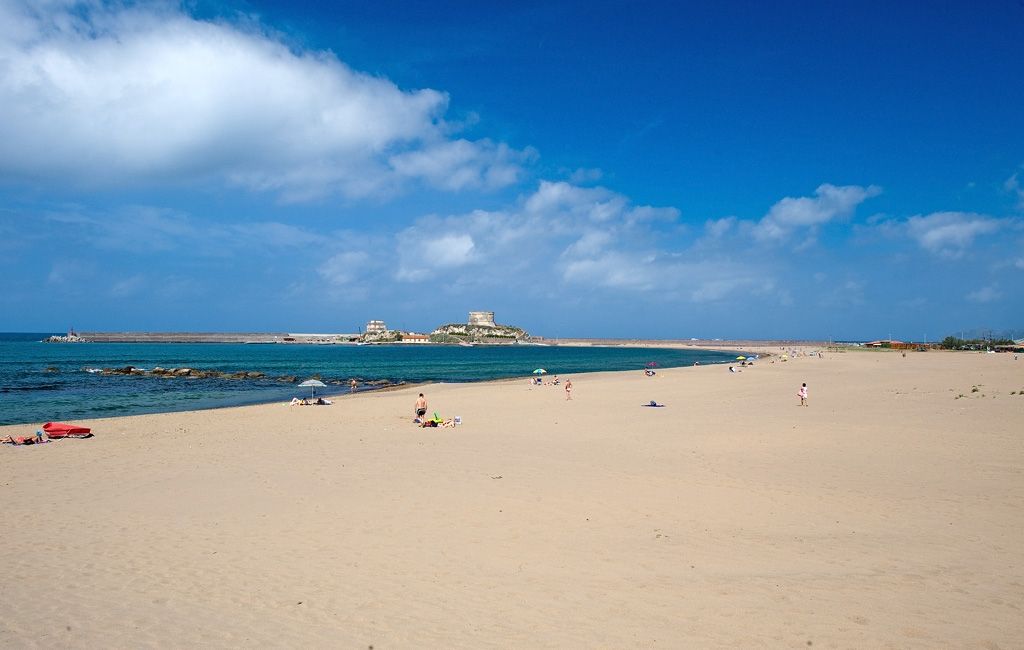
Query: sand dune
[887, 514]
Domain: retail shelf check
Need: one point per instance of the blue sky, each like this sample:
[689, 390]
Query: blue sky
[665, 170]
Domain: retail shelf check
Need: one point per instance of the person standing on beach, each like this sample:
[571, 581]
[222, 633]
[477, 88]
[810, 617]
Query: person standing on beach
[802, 394]
[352, 386]
[421, 406]
[568, 389]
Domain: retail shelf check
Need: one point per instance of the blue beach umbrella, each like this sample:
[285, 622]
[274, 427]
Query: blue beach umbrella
[540, 371]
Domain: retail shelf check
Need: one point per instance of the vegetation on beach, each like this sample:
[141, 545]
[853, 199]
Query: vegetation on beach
[954, 343]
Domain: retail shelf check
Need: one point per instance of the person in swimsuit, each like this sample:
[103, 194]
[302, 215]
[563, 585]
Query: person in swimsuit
[20, 440]
[421, 406]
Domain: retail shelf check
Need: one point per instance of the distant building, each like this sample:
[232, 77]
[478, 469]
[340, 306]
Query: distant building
[901, 345]
[376, 327]
[414, 338]
[484, 318]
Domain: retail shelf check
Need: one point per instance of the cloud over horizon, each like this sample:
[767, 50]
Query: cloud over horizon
[830, 202]
[949, 234]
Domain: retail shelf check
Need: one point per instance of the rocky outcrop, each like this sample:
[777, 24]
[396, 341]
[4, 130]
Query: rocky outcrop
[194, 373]
[386, 336]
[466, 333]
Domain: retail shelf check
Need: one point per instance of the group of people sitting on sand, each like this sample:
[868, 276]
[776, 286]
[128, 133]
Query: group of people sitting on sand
[301, 401]
[539, 381]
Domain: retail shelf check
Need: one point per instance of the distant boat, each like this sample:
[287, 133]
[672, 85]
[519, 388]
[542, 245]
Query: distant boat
[465, 345]
[260, 342]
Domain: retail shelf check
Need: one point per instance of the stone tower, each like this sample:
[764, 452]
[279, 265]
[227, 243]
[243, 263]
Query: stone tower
[485, 318]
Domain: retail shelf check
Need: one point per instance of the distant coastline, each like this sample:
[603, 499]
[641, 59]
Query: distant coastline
[353, 339]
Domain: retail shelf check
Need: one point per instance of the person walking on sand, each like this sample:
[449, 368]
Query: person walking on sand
[421, 406]
[568, 389]
[802, 394]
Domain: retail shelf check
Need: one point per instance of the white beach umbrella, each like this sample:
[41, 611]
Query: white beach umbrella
[313, 384]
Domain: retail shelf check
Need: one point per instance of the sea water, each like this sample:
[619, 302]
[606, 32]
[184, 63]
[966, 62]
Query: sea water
[42, 382]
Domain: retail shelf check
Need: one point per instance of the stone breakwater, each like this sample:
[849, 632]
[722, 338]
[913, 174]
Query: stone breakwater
[69, 338]
[197, 373]
[185, 337]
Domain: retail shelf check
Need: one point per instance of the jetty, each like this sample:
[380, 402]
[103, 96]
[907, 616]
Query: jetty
[213, 337]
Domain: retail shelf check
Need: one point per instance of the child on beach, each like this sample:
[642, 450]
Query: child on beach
[802, 394]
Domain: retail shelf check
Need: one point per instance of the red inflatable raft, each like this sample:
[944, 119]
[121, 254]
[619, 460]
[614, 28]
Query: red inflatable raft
[61, 430]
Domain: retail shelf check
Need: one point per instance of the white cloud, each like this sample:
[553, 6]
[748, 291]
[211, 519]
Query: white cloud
[565, 237]
[344, 268]
[449, 251]
[717, 228]
[422, 256]
[109, 96]
[829, 203]
[564, 203]
[985, 294]
[949, 234]
[460, 164]
[563, 200]
[614, 270]
[591, 243]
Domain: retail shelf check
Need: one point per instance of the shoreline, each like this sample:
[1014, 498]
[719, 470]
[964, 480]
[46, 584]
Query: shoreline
[341, 394]
[750, 347]
[767, 350]
[250, 381]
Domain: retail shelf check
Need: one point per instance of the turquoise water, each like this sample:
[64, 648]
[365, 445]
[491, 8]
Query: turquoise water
[41, 382]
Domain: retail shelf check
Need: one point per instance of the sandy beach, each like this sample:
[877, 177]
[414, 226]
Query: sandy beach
[886, 514]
